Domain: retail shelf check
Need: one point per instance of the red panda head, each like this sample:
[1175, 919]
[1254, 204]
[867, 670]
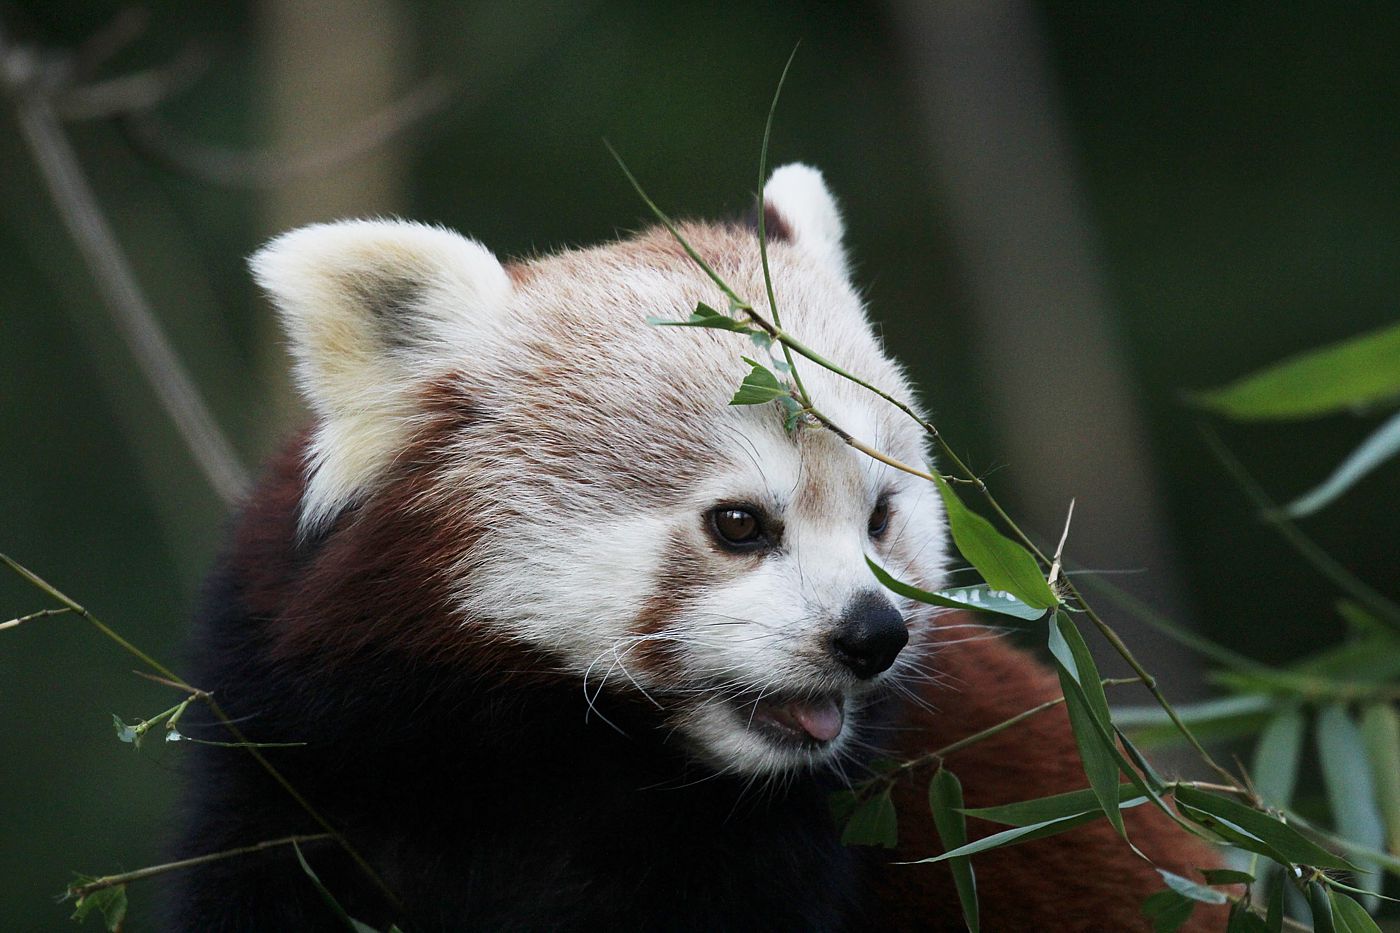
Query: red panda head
[591, 493]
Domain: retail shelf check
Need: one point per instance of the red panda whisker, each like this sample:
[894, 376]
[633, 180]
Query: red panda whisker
[628, 674]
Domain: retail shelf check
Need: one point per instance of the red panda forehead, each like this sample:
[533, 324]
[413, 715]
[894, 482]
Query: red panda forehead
[651, 275]
[591, 391]
[587, 311]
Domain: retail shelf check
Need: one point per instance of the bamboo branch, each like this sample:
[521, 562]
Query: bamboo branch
[266, 169]
[968, 741]
[150, 871]
[41, 614]
[31, 87]
[175, 680]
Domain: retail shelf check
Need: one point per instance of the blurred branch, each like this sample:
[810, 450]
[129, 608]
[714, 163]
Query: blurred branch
[1327, 565]
[230, 724]
[110, 881]
[271, 168]
[1003, 163]
[33, 86]
[41, 614]
[135, 92]
[125, 27]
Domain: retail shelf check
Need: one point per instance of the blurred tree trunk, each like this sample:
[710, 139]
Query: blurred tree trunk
[329, 64]
[1069, 420]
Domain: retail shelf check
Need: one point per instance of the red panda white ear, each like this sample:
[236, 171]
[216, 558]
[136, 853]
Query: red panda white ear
[800, 198]
[373, 309]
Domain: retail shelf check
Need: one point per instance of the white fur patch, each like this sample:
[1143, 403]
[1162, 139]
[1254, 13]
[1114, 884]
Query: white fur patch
[800, 196]
[373, 309]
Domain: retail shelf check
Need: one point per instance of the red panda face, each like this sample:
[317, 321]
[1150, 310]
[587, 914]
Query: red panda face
[772, 661]
[600, 500]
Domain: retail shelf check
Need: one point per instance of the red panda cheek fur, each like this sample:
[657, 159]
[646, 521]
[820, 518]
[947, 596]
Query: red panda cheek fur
[458, 754]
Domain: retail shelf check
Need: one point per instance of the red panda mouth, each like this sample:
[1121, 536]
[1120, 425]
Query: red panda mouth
[816, 720]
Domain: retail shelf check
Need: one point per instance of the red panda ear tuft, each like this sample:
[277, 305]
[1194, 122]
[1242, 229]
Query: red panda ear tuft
[373, 310]
[807, 213]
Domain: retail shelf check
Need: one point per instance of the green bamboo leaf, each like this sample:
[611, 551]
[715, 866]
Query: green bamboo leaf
[1378, 447]
[1003, 563]
[792, 413]
[1243, 920]
[1336, 885]
[1276, 757]
[1012, 836]
[1349, 916]
[1206, 713]
[1231, 833]
[1168, 911]
[1226, 876]
[1360, 620]
[355, 925]
[1346, 772]
[1321, 905]
[945, 799]
[873, 823]
[109, 902]
[1380, 730]
[1387, 861]
[980, 598]
[1188, 888]
[706, 316]
[1153, 780]
[1132, 718]
[759, 387]
[126, 732]
[1290, 683]
[1345, 375]
[1372, 658]
[1053, 807]
[1089, 718]
[1149, 786]
[1256, 831]
[842, 804]
[1323, 562]
[1274, 918]
[1209, 720]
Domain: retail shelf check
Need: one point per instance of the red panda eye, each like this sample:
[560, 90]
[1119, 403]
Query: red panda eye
[879, 519]
[736, 527]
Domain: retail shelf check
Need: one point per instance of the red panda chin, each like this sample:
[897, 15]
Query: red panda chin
[770, 734]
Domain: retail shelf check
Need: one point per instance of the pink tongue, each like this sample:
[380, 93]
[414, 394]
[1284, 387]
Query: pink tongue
[821, 719]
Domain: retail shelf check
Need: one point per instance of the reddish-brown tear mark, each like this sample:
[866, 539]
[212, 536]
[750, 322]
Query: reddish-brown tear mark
[689, 568]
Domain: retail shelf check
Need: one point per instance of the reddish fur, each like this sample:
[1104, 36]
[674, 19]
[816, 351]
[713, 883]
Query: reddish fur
[331, 602]
[683, 575]
[1087, 877]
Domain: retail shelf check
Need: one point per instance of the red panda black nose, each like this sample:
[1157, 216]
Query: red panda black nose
[870, 636]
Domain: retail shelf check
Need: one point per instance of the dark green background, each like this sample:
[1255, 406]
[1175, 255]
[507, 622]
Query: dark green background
[1238, 163]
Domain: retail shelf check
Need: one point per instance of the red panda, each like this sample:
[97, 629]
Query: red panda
[571, 643]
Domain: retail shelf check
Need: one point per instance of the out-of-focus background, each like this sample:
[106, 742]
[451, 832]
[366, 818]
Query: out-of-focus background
[1063, 215]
